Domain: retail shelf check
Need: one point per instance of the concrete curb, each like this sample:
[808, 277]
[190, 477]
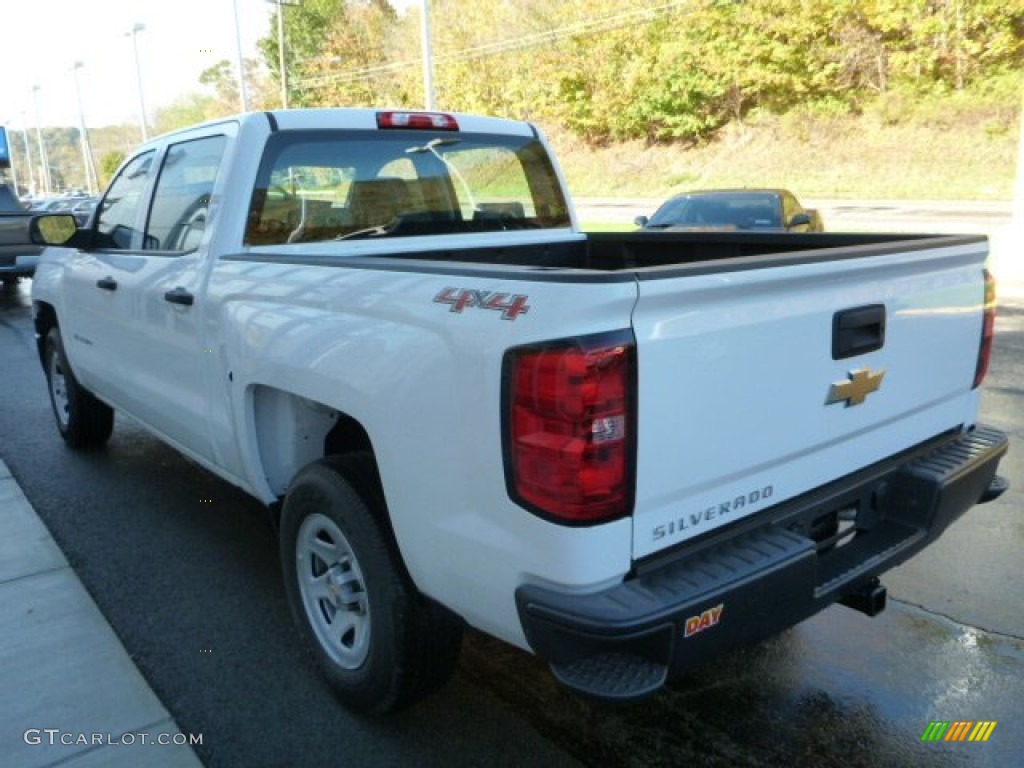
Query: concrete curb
[72, 695]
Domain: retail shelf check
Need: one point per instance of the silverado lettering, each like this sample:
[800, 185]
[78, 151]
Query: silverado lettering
[522, 478]
[707, 514]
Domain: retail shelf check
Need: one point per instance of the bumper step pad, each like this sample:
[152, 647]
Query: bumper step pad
[611, 676]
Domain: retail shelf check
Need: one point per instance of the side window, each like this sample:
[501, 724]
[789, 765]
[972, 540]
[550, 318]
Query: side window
[789, 208]
[118, 211]
[177, 216]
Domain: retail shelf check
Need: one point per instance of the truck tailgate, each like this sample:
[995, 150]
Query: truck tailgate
[742, 402]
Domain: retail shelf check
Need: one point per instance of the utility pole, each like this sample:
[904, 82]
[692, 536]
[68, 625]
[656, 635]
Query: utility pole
[428, 63]
[1018, 197]
[282, 69]
[280, 55]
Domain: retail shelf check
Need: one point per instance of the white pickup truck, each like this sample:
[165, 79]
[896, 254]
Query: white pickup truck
[627, 453]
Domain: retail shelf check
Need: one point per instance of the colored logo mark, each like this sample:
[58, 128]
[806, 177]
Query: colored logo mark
[958, 730]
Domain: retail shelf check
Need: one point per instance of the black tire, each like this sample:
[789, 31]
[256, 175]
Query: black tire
[83, 421]
[381, 644]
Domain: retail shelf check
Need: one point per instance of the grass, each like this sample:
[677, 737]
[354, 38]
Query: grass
[606, 226]
[958, 146]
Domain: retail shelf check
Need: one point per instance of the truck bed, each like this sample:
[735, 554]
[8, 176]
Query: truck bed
[639, 250]
[616, 252]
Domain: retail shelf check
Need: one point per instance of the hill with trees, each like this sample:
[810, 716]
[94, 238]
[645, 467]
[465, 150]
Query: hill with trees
[613, 70]
[914, 97]
[917, 98]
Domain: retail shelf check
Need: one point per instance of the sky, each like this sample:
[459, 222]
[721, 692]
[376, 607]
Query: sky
[41, 39]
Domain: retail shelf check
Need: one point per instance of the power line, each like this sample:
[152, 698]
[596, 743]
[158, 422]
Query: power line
[616, 21]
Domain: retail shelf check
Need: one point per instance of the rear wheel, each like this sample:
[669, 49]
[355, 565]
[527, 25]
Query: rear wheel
[380, 643]
[83, 421]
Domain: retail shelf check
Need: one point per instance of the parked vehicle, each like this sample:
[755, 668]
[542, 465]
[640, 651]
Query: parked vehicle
[627, 453]
[767, 209]
[17, 255]
[82, 209]
[9, 202]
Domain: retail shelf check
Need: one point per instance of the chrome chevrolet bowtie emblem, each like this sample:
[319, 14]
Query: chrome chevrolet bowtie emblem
[861, 384]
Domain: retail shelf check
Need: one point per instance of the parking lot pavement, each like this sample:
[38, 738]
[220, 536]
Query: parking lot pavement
[71, 695]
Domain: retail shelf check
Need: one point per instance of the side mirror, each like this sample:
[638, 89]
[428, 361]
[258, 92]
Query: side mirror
[52, 228]
[641, 221]
[800, 220]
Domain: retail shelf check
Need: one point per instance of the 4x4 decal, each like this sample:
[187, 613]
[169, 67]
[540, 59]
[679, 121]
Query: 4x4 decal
[511, 306]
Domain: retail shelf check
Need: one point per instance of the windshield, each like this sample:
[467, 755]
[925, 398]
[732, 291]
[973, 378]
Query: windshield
[315, 186]
[740, 210]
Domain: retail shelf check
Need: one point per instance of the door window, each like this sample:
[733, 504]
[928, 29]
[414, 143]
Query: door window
[118, 212]
[177, 216]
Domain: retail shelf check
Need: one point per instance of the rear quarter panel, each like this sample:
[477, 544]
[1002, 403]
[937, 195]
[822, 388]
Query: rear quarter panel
[425, 382]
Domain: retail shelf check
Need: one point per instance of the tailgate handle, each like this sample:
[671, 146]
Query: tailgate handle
[858, 331]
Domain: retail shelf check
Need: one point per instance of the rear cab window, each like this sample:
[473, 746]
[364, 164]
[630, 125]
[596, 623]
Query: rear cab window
[317, 186]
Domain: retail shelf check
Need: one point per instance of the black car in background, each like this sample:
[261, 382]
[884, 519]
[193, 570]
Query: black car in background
[724, 209]
[83, 208]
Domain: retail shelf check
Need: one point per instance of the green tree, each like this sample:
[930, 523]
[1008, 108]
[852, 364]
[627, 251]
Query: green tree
[222, 80]
[109, 163]
[306, 24]
[610, 70]
[354, 66]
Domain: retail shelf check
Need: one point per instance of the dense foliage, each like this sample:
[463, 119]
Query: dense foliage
[598, 73]
[611, 70]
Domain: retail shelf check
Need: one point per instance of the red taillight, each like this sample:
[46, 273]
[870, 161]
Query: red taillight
[988, 329]
[437, 121]
[569, 422]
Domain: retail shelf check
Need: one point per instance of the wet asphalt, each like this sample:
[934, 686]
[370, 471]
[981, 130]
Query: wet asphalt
[185, 569]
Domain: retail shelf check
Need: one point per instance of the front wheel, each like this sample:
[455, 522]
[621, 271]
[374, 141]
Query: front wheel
[83, 421]
[380, 643]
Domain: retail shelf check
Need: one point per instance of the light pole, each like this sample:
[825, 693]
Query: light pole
[91, 181]
[44, 169]
[280, 48]
[242, 95]
[28, 156]
[428, 65]
[1018, 197]
[134, 34]
[280, 55]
